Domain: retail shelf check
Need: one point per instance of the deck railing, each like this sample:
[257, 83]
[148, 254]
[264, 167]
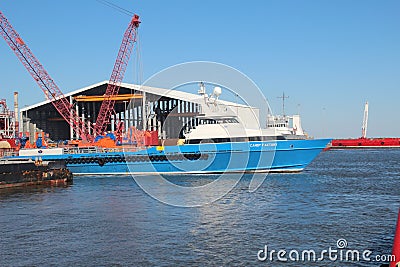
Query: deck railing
[92, 150]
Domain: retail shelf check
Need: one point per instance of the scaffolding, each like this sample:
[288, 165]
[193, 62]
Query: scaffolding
[8, 122]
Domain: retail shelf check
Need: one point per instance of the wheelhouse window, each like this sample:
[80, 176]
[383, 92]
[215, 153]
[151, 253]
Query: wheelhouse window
[218, 121]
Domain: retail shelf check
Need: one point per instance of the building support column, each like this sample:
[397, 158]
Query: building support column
[71, 129]
[77, 114]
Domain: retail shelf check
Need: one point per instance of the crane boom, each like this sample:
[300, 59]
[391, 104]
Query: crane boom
[117, 75]
[365, 121]
[42, 78]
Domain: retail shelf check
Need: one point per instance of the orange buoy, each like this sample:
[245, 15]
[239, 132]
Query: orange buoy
[396, 245]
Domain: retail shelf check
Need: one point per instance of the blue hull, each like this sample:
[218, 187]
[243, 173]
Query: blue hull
[266, 156]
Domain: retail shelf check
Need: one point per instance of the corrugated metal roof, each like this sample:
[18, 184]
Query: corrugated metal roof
[66, 95]
[175, 94]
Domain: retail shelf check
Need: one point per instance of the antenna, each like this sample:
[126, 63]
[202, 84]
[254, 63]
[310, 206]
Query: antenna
[202, 90]
[283, 102]
[365, 121]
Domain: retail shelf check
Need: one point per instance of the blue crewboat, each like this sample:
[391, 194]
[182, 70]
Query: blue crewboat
[267, 156]
[201, 158]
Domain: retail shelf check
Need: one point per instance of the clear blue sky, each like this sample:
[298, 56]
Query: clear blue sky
[328, 56]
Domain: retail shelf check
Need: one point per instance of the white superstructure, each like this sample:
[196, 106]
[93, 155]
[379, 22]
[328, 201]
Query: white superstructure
[222, 121]
[289, 126]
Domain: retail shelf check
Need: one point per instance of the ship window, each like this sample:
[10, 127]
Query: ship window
[269, 138]
[227, 120]
[219, 121]
[206, 121]
[240, 139]
[235, 139]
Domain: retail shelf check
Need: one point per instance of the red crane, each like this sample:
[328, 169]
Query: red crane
[43, 79]
[107, 106]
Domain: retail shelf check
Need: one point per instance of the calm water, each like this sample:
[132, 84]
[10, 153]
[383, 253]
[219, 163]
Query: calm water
[110, 221]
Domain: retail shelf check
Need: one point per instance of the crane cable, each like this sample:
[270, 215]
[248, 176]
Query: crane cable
[116, 7]
[139, 63]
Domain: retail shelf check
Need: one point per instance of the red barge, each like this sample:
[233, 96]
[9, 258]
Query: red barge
[364, 142]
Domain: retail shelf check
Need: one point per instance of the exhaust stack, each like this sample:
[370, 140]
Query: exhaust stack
[16, 114]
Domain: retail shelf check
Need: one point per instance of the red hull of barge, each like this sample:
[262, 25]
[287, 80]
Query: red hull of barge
[366, 143]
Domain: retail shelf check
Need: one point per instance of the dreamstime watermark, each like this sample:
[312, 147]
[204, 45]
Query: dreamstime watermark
[165, 112]
[340, 252]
